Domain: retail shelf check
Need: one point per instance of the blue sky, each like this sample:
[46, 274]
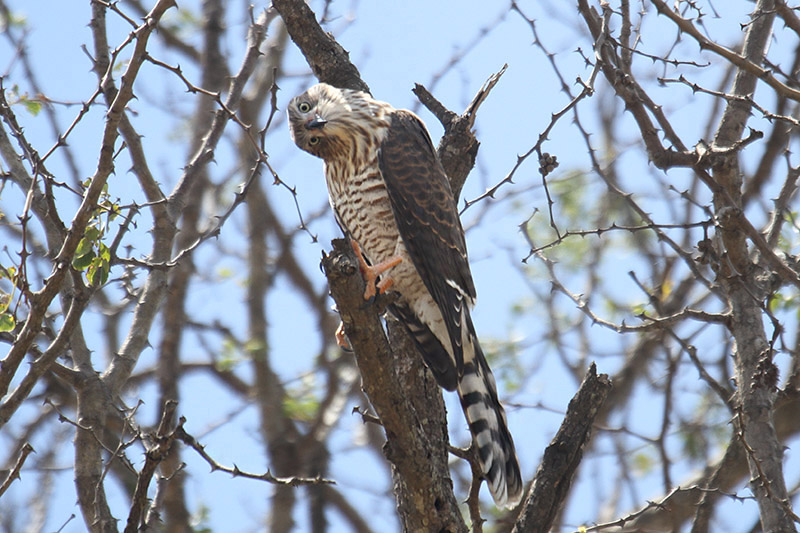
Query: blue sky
[395, 45]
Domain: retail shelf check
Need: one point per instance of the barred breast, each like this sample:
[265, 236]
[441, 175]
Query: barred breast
[362, 205]
[363, 208]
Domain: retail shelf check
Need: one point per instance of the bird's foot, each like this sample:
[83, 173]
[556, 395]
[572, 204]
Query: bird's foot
[372, 272]
[341, 338]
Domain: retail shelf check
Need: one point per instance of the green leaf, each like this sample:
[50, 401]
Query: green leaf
[773, 302]
[98, 271]
[6, 322]
[91, 275]
[226, 364]
[92, 233]
[103, 252]
[253, 346]
[33, 106]
[228, 349]
[105, 268]
[303, 408]
[642, 463]
[84, 247]
[113, 212]
[83, 262]
[17, 20]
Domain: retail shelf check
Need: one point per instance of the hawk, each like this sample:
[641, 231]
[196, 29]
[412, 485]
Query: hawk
[392, 199]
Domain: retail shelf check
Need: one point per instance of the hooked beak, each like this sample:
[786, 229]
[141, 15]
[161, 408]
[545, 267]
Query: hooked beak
[316, 123]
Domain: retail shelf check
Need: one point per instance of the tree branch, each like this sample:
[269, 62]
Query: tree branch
[326, 57]
[415, 424]
[27, 449]
[562, 457]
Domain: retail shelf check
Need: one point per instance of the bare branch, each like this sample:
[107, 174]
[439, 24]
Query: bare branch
[26, 450]
[562, 457]
[326, 57]
[740, 61]
[267, 476]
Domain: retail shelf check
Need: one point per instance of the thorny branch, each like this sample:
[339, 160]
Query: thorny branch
[267, 476]
[688, 27]
[707, 258]
[26, 450]
[563, 456]
[623, 521]
[40, 300]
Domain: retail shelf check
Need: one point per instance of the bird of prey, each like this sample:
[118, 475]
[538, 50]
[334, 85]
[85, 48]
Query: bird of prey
[392, 199]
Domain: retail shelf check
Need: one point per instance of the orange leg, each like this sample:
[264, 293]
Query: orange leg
[371, 273]
[341, 338]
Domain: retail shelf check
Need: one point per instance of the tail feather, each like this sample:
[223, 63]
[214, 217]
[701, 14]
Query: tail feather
[487, 423]
[433, 352]
[478, 394]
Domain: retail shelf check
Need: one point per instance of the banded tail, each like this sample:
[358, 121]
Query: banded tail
[478, 394]
[487, 423]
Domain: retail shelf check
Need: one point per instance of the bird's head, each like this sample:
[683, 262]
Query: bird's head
[328, 122]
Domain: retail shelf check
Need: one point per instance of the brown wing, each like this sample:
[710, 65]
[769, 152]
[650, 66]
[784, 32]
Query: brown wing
[427, 219]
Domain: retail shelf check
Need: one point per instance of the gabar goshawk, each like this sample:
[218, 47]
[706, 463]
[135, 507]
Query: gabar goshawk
[392, 199]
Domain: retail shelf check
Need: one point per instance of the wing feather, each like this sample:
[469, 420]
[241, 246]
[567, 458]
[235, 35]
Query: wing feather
[428, 221]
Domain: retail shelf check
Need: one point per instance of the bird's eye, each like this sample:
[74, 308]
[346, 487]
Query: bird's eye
[313, 141]
[304, 107]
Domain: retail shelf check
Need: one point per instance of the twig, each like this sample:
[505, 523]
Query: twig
[26, 450]
[267, 476]
[662, 504]
[686, 26]
[615, 227]
[458, 148]
[163, 440]
[554, 118]
[731, 98]
[366, 417]
[470, 455]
